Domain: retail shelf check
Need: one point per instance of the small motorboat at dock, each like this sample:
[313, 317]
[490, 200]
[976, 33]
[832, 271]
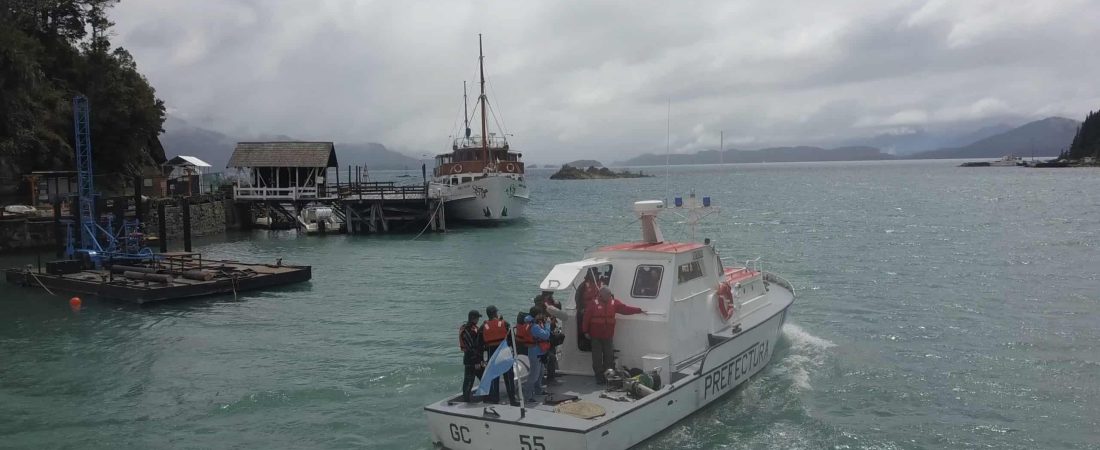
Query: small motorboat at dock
[707, 329]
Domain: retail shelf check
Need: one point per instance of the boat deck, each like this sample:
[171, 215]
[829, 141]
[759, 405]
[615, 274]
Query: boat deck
[567, 388]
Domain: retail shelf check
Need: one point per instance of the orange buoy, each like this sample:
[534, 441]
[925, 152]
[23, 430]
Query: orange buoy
[74, 303]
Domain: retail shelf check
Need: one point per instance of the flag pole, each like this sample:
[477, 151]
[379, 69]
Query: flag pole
[515, 357]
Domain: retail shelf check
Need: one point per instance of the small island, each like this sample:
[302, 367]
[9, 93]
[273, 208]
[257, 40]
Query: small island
[568, 172]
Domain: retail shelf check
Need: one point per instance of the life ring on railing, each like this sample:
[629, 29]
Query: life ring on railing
[456, 168]
[724, 299]
[510, 167]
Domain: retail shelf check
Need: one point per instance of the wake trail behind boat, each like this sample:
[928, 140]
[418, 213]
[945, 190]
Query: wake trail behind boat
[807, 352]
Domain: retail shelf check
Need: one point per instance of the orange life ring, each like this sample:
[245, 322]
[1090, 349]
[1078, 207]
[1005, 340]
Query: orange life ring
[725, 301]
[510, 167]
[456, 168]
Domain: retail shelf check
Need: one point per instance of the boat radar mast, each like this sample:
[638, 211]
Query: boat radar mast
[694, 210]
[647, 212]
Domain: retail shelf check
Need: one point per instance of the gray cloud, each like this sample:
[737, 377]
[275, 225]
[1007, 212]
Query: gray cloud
[576, 78]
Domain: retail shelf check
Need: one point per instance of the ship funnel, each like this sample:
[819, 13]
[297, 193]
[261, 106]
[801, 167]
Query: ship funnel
[647, 212]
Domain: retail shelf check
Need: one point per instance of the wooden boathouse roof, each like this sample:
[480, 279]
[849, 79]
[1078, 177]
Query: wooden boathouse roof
[283, 154]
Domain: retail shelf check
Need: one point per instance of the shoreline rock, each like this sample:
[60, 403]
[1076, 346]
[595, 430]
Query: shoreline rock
[568, 172]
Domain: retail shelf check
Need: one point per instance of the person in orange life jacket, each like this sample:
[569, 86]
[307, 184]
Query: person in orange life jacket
[469, 340]
[546, 303]
[493, 332]
[536, 331]
[599, 327]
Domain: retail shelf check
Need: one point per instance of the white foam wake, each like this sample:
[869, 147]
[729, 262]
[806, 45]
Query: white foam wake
[808, 352]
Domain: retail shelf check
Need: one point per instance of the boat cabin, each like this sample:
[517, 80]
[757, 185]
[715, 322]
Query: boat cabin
[467, 160]
[675, 283]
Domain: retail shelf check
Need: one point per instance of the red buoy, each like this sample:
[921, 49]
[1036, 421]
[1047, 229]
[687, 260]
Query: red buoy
[74, 303]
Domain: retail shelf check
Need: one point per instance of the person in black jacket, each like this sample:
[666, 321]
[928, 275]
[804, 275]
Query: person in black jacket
[469, 340]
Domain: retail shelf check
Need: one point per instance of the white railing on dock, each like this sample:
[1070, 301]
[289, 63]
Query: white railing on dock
[269, 193]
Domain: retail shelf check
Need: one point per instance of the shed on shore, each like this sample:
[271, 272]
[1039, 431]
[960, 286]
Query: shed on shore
[282, 170]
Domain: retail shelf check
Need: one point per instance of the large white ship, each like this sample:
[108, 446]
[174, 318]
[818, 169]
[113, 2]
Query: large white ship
[481, 179]
[707, 329]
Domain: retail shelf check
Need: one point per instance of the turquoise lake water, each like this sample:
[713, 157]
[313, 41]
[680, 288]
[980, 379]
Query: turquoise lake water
[939, 307]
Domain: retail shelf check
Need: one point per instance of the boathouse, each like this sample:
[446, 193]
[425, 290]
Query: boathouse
[185, 175]
[282, 171]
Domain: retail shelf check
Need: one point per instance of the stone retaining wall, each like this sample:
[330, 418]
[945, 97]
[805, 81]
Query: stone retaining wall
[16, 234]
[207, 218]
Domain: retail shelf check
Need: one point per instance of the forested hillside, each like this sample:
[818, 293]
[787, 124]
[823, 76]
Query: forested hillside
[50, 51]
[1086, 142]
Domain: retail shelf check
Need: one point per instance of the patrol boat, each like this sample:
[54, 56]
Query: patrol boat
[707, 329]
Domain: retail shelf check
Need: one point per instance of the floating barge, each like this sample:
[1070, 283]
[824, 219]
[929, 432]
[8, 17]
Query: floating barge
[169, 276]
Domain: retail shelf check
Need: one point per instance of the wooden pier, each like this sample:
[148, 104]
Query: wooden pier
[169, 276]
[378, 207]
[286, 178]
[364, 207]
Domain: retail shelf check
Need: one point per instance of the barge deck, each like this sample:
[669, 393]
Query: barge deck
[169, 277]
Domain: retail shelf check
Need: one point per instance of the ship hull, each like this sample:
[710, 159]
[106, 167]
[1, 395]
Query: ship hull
[725, 366]
[490, 199]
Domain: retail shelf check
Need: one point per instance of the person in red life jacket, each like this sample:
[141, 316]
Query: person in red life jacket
[493, 332]
[599, 327]
[469, 340]
[585, 296]
[536, 331]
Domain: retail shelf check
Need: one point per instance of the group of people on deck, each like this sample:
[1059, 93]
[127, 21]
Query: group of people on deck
[538, 335]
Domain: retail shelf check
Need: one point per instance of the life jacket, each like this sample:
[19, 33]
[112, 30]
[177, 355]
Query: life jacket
[524, 336]
[603, 314]
[493, 331]
[461, 342]
[591, 291]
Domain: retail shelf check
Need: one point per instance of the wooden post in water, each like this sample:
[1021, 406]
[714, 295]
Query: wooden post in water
[162, 226]
[58, 232]
[185, 205]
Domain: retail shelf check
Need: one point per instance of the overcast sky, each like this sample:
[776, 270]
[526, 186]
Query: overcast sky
[575, 79]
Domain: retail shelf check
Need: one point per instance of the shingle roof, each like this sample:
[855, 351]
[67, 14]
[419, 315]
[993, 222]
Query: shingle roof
[283, 154]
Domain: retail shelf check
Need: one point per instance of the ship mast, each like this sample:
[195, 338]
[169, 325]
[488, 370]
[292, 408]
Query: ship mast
[484, 100]
[465, 110]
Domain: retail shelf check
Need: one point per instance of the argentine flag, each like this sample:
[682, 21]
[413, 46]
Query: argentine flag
[499, 364]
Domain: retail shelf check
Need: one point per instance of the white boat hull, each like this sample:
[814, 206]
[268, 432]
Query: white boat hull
[726, 365]
[490, 199]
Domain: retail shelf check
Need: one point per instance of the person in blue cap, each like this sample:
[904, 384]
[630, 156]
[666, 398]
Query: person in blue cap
[535, 330]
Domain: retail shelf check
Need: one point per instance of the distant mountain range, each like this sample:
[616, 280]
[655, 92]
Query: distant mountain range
[182, 138]
[1047, 137]
[1043, 138]
[774, 154]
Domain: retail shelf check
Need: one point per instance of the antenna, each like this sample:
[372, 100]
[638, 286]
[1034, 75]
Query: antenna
[668, 147]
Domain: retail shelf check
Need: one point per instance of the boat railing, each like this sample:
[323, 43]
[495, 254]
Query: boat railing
[754, 265]
[776, 279]
[475, 142]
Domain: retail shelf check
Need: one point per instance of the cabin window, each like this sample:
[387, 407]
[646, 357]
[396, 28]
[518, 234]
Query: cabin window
[647, 281]
[689, 271]
[465, 179]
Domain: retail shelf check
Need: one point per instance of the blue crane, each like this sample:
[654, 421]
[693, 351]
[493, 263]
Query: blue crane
[90, 230]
